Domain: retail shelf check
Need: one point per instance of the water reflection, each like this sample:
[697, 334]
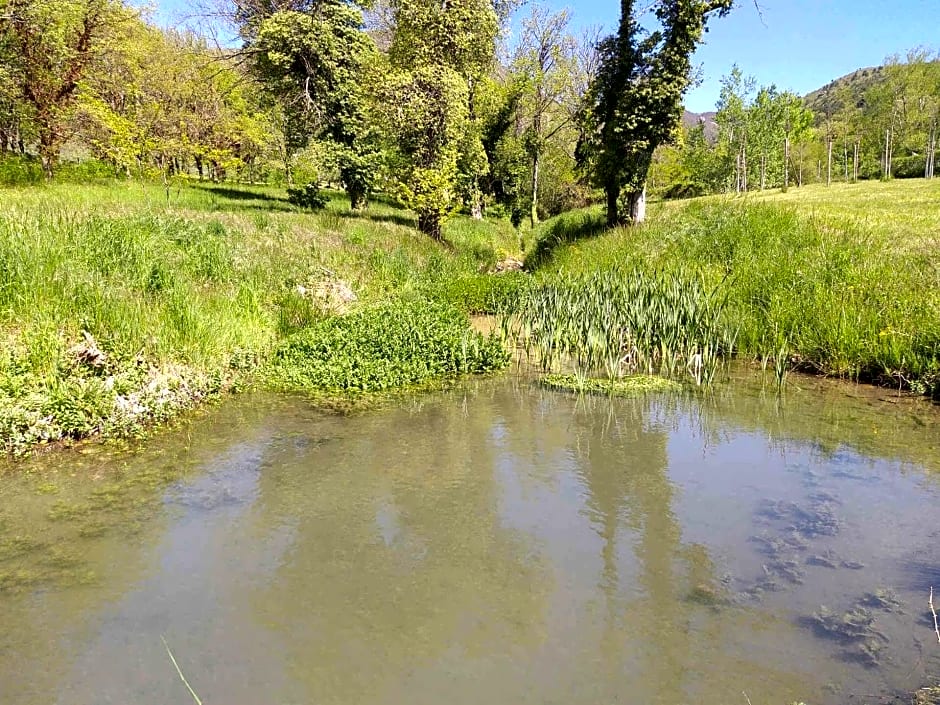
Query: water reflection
[497, 543]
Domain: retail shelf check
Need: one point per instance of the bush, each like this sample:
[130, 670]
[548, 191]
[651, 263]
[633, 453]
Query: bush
[309, 197]
[20, 171]
[397, 344]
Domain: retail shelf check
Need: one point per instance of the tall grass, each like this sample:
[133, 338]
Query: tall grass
[185, 293]
[623, 321]
[817, 291]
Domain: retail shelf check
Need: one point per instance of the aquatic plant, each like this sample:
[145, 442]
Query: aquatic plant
[397, 344]
[623, 321]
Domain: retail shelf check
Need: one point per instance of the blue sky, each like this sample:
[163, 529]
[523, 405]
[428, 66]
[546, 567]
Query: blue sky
[798, 45]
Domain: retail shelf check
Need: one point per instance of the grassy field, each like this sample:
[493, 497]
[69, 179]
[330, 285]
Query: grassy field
[122, 305]
[185, 295]
[844, 280]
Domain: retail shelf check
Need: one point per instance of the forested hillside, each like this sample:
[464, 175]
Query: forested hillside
[875, 123]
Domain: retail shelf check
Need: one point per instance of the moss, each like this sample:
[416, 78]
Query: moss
[631, 386]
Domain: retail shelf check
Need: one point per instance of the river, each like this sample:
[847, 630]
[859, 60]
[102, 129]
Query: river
[494, 543]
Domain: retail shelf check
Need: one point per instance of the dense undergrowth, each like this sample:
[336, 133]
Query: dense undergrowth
[186, 294]
[816, 289]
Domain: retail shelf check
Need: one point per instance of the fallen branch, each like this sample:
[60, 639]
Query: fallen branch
[182, 677]
[936, 626]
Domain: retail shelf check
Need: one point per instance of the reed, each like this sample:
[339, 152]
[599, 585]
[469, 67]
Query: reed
[624, 321]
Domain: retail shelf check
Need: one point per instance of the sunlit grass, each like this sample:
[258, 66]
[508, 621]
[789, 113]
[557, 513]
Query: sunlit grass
[189, 286]
[844, 281]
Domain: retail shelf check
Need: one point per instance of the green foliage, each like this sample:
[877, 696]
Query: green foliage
[632, 386]
[20, 171]
[623, 320]
[188, 298]
[635, 101]
[480, 293]
[316, 64]
[438, 53]
[830, 293]
[308, 197]
[427, 110]
[398, 344]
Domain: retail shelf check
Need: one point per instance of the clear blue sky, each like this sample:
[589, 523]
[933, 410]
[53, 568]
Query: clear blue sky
[799, 45]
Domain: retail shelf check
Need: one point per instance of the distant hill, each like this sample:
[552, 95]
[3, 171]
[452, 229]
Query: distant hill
[690, 120]
[831, 95]
[857, 82]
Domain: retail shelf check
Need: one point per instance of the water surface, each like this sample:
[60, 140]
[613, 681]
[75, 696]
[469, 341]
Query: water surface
[497, 543]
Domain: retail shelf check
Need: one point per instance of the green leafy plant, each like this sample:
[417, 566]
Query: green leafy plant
[308, 196]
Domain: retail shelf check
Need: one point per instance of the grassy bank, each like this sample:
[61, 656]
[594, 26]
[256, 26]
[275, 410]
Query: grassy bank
[120, 306]
[844, 281]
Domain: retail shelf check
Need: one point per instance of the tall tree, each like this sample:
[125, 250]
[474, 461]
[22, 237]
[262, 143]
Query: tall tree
[733, 123]
[545, 60]
[314, 57]
[50, 46]
[439, 53]
[635, 103]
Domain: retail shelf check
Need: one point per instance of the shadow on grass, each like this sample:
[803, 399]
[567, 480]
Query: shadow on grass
[408, 221]
[236, 194]
[563, 230]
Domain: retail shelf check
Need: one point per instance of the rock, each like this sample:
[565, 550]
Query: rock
[510, 264]
[88, 353]
[333, 295]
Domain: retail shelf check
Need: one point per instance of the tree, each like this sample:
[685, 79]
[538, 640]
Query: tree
[635, 102]
[545, 61]
[439, 54]
[796, 122]
[314, 58]
[733, 123]
[50, 46]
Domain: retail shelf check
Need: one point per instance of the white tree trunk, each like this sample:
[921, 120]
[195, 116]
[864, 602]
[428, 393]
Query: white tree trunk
[638, 206]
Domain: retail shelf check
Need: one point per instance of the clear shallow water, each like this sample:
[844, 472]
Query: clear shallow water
[498, 543]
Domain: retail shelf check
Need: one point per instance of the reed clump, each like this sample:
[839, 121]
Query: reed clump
[623, 321]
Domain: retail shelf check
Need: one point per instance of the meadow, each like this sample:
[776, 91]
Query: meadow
[842, 281]
[122, 304]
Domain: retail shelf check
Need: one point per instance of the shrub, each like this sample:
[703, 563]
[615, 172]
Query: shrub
[309, 197]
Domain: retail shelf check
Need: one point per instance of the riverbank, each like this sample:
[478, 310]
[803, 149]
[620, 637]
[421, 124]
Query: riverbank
[843, 282]
[121, 308]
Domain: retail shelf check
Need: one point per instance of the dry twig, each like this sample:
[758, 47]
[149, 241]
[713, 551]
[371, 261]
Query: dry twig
[182, 677]
[936, 625]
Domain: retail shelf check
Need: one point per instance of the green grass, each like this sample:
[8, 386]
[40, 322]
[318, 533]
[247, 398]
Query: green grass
[188, 292]
[844, 281]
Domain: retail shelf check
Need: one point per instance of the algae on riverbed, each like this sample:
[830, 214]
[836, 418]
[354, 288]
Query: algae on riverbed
[632, 385]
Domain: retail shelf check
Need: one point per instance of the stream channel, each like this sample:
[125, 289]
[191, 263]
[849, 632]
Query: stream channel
[493, 543]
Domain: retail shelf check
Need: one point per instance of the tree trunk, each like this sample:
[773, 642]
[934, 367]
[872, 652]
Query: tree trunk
[357, 198]
[744, 166]
[534, 214]
[429, 222]
[786, 163]
[845, 158]
[48, 150]
[763, 170]
[612, 192]
[855, 164]
[828, 161]
[636, 206]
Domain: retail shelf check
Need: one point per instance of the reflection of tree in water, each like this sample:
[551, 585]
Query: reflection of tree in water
[399, 565]
[624, 464]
